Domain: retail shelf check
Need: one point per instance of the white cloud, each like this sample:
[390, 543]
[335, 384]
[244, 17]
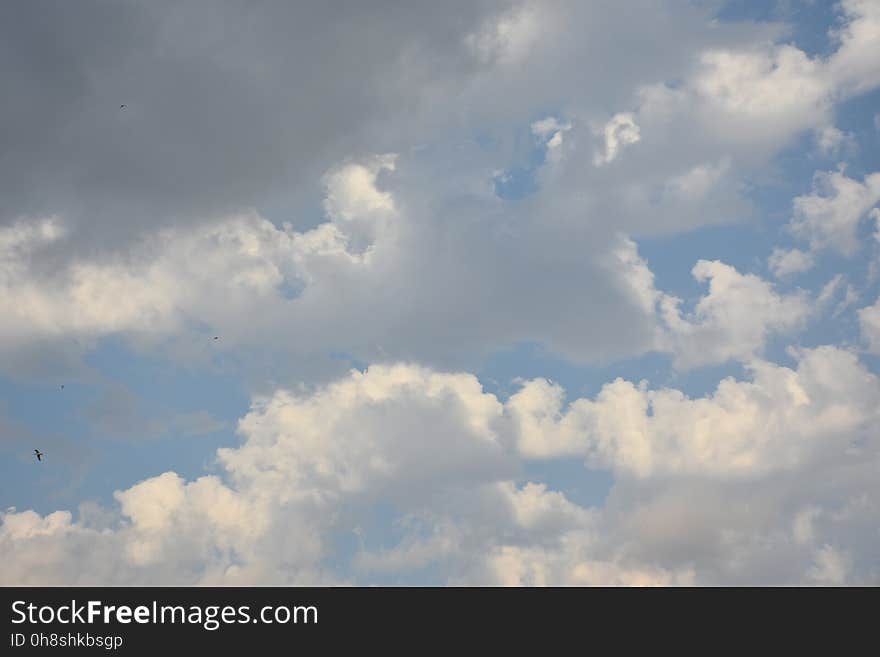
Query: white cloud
[551, 131]
[505, 39]
[849, 299]
[854, 65]
[25, 236]
[733, 321]
[778, 86]
[829, 217]
[782, 419]
[830, 289]
[830, 569]
[440, 452]
[371, 417]
[770, 84]
[869, 322]
[211, 274]
[393, 272]
[706, 132]
[519, 566]
[352, 193]
[547, 127]
[401, 434]
[768, 479]
[697, 183]
[621, 130]
[402, 266]
[787, 262]
[833, 142]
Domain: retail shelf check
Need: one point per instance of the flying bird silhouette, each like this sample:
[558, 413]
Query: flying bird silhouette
[39, 454]
[216, 337]
[122, 106]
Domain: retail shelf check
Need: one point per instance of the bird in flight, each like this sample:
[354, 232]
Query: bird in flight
[122, 106]
[39, 454]
[62, 386]
[216, 337]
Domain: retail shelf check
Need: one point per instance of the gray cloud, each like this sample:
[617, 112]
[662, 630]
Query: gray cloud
[236, 105]
[227, 104]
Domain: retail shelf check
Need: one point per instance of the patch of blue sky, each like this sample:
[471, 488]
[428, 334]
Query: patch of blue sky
[38, 417]
[806, 21]
[858, 116]
[585, 486]
[672, 257]
[86, 460]
[174, 386]
[301, 207]
[375, 529]
[502, 371]
[519, 180]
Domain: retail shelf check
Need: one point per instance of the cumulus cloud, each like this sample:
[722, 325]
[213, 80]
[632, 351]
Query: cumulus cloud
[181, 279]
[829, 217]
[698, 183]
[251, 207]
[551, 131]
[297, 478]
[787, 262]
[507, 38]
[409, 252]
[695, 141]
[869, 321]
[853, 66]
[374, 278]
[745, 428]
[732, 321]
[833, 142]
[441, 452]
[621, 130]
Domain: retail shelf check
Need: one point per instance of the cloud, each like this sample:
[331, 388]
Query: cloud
[373, 279]
[698, 138]
[183, 279]
[869, 322]
[551, 131]
[787, 262]
[236, 277]
[699, 182]
[210, 127]
[352, 193]
[255, 124]
[441, 454]
[829, 217]
[732, 321]
[621, 130]
[507, 38]
[833, 142]
[295, 477]
[762, 86]
[829, 291]
[711, 483]
[831, 568]
[853, 65]
[776, 421]
[410, 248]
[237, 195]
[517, 566]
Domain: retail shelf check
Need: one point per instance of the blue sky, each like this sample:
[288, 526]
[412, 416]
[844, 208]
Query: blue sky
[408, 240]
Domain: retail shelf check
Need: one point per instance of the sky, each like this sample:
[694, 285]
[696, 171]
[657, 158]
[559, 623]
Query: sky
[493, 292]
